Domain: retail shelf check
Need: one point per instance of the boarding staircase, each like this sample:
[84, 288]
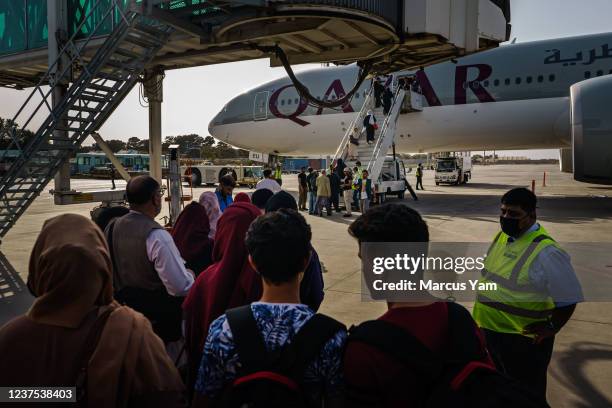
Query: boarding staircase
[372, 156]
[105, 78]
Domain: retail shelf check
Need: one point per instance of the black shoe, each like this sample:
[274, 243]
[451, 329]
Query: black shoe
[347, 215]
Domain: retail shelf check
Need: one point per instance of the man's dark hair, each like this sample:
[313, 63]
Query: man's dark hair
[358, 163]
[141, 189]
[267, 173]
[310, 169]
[280, 200]
[391, 222]
[260, 197]
[227, 181]
[279, 243]
[522, 197]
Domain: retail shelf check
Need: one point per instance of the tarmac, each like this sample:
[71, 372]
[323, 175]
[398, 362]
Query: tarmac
[580, 373]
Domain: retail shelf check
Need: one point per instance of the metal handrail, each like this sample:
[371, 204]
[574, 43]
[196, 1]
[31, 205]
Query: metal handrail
[392, 114]
[52, 77]
[354, 123]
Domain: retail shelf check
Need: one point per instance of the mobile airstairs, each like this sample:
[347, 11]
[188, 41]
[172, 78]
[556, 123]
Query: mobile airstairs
[87, 98]
[373, 156]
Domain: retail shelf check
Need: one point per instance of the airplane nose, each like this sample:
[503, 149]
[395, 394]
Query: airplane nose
[213, 125]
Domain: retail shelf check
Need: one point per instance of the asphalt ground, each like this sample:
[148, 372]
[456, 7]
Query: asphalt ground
[580, 374]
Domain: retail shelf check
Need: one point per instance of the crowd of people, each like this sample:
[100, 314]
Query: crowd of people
[327, 189]
[222, 310]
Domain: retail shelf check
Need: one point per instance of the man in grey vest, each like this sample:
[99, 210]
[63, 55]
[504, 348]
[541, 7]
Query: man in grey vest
[149, 273]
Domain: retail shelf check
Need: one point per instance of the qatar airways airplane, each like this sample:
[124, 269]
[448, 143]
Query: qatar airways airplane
[516, 96]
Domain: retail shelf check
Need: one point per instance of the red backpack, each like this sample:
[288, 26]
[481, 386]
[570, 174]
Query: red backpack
[458, 379]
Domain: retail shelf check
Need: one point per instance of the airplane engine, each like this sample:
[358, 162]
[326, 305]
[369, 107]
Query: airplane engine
[591, 122]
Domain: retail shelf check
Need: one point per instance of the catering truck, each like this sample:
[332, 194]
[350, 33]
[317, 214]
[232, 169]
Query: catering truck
[453, 170]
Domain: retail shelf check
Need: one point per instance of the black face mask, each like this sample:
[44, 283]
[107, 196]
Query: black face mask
[510, 226]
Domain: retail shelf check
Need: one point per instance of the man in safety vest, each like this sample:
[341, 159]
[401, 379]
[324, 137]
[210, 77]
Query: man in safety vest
[278, 174]
[537, 291]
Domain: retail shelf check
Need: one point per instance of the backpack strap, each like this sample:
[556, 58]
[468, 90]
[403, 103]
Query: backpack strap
[397, 342]
[307, 344]
[250, 346]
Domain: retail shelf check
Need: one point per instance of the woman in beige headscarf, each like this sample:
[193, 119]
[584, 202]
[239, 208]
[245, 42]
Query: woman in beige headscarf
[76, 334]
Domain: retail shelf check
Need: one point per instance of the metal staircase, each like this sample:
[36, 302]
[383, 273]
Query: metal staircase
[105, 78]
[372, 156]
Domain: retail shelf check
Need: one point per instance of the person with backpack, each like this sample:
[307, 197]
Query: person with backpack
[424, 352]
[275, 352]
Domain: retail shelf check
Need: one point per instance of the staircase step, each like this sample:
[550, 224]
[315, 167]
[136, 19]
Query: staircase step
[92, 98]
[101, 88]
[111, 77]
[145, 28]
[141, 42]
[145, 38]
[78, 119]
[128, 53]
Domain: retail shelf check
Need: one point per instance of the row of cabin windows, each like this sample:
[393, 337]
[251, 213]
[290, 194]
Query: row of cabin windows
[589, 74]
[509, 81]
[296, 101]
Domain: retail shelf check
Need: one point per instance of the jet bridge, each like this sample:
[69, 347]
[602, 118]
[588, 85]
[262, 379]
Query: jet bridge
[80, 58]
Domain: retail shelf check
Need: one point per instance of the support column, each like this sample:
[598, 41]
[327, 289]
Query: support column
[153, 86]
[566, 160]
[57, 23]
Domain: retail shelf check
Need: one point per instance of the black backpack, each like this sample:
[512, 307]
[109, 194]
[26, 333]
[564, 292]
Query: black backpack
[459, 379]
[273, 379]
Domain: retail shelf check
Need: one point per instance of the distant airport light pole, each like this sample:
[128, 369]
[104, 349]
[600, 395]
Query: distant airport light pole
[544, 180]
[533, 186]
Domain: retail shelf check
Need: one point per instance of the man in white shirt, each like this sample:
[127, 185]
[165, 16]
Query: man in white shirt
[268, 182]
[149, 273]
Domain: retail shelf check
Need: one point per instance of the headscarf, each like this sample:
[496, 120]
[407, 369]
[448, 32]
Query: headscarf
[70, 274]
[191, 233]
[282, 199]
[242, 198]
[209, 201]
[340, 168]
[229, 282]
[70, 271]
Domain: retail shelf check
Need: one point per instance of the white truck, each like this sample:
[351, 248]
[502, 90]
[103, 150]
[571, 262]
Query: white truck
[453, 170]
[392, 180]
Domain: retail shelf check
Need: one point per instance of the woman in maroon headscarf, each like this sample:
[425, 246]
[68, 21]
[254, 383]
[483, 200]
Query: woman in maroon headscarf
[229, 282]
[191, 233]
[242, 198]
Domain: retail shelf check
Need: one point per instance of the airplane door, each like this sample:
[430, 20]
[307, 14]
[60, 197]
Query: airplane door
[260, 108]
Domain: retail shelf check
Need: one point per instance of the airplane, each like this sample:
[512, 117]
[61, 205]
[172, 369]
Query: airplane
[516, 96]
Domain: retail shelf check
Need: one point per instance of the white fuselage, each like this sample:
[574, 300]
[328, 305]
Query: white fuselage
[512, 97]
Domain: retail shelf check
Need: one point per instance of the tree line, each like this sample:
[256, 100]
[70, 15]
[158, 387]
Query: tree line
[191, 146]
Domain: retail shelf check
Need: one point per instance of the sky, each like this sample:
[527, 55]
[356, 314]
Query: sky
[193, 96]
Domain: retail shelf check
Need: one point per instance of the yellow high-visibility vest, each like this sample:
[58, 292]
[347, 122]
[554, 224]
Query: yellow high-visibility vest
[516, 302]
[278, 173]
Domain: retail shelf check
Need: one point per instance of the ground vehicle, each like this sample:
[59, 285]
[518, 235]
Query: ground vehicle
[392, 180]
[210, 174]
[97, 163]
[453, 170]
